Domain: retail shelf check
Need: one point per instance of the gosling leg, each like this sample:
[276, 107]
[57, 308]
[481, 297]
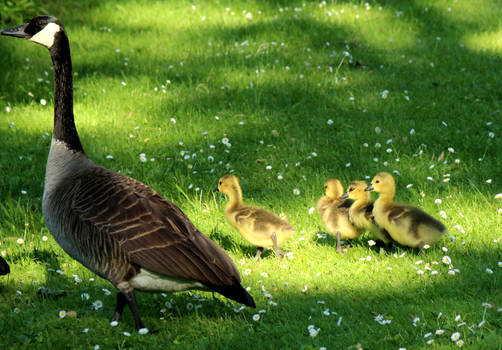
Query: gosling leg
[258, 253]
[421, 246]
[338, 244]
[279, 252]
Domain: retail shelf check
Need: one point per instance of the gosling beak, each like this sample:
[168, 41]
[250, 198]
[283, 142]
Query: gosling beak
[344, 196]
[369, 188]
[17, 32]
[216, 190]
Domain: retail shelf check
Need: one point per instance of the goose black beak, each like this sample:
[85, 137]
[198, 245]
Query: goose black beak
[369, 188]
[216, 190]
[344, 196]
[17, 32]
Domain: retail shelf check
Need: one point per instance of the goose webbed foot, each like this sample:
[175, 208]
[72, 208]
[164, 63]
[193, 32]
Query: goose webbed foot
[279, 252]
[258, 253]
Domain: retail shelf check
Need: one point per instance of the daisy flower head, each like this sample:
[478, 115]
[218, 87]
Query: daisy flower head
[98, 304]
[256, 317]
[460, 343]
[446, 260]
[62, 314]
[371, 242]
[143, 331]
[455, 336]
[439, 332]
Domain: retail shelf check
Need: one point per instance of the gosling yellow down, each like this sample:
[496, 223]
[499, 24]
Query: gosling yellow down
[258, 226]
[334, 212]
[406, 224]
[361, 211]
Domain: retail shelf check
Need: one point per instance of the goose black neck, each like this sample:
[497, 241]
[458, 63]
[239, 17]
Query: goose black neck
[64, 123]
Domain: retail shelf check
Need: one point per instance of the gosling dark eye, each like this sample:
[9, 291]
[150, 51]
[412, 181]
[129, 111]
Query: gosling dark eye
[377, 181]
[221, 182]
[351, 189]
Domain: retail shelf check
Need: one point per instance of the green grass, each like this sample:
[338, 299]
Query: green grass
[283, 74]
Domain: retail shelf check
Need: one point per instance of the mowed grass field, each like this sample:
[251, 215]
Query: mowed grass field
[284, 95]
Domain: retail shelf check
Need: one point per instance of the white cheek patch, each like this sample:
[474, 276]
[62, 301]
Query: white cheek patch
[46, 36]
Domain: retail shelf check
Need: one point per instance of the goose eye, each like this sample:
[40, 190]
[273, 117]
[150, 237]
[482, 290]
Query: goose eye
[377, 181]
[221, 182]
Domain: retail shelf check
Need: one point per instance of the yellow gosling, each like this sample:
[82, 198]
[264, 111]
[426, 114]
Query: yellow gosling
[406, 224]
[258, 226]
[334, 212]
[361, 211]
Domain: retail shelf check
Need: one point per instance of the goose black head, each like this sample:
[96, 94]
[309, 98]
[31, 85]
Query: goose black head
[41, 30]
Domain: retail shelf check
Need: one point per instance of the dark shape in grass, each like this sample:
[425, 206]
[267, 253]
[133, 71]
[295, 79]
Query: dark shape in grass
[4, 267]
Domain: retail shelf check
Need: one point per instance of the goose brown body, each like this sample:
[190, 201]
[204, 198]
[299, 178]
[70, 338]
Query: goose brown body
[116, 226]
[334, 212]
[258, 226]
[406, 224]
[361, 211]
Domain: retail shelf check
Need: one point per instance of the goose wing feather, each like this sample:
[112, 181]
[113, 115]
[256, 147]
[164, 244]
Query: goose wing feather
[153, 232]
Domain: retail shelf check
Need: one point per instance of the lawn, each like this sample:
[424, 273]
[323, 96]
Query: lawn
[284, 95]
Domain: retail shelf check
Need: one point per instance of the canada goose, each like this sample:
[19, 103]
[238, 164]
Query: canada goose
[114, 225]
[334, 212]
[258, 226]
[361, 210]
[406, 224]
[4, 267]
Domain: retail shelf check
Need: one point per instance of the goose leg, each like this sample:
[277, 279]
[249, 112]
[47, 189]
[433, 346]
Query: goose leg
[279, 252]
[338, 244]
[121, 303]
[131, 300]
[258, 253]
